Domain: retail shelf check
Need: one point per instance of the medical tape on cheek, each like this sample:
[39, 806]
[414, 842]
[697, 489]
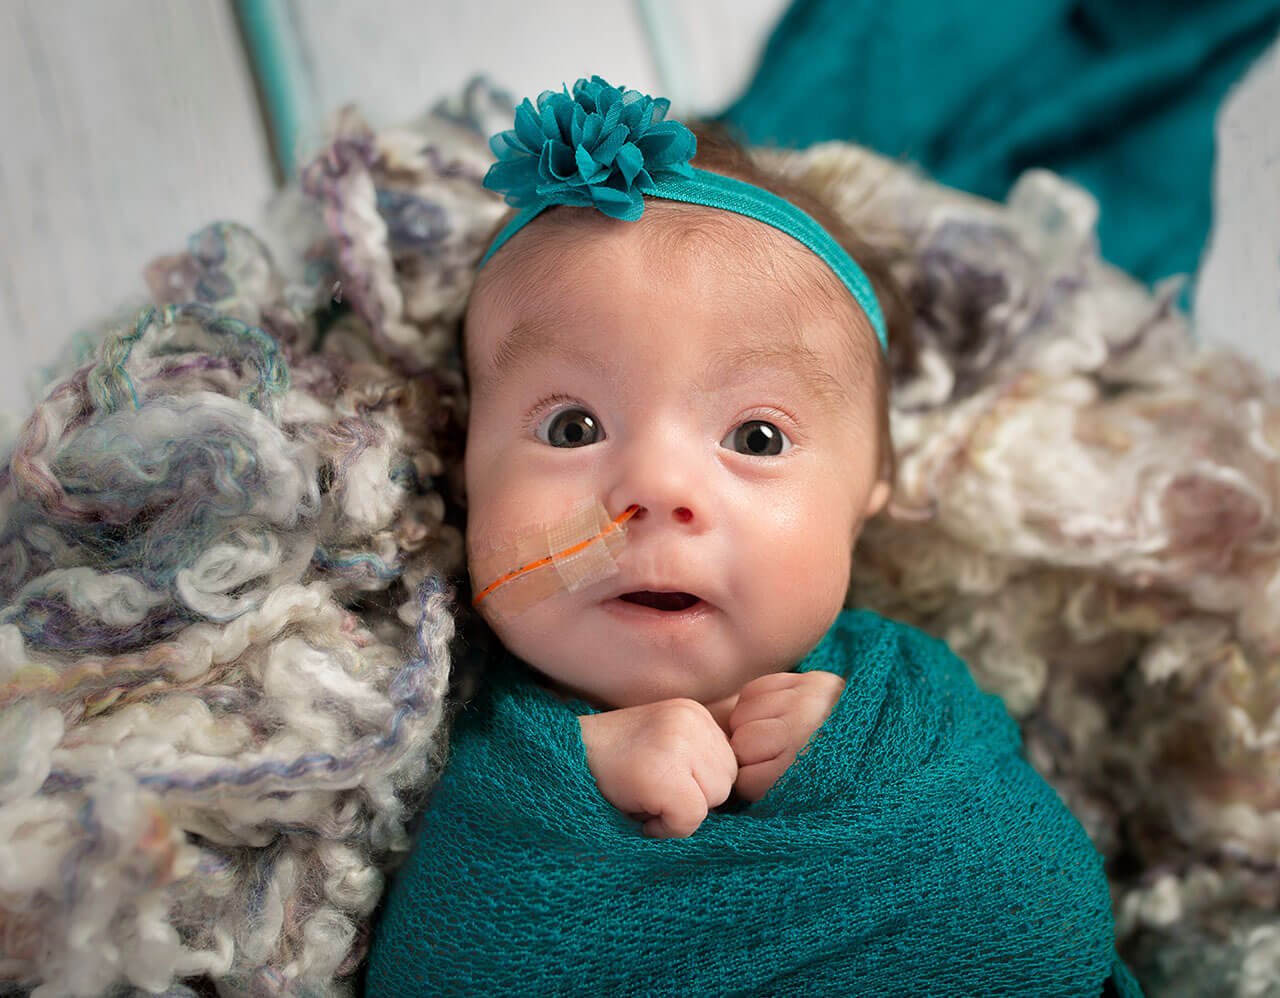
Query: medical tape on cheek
[578, 550]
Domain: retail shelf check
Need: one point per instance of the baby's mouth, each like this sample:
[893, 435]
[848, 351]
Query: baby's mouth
[670, 602]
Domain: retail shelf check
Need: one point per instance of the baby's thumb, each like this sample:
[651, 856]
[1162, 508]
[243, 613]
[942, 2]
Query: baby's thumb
[661, 828]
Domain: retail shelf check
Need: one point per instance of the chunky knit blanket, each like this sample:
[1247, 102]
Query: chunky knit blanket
[910, 849]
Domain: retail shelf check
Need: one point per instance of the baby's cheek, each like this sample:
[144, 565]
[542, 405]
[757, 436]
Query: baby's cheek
[524, 634]
[814, 557]
[803, 587]
[504, 506]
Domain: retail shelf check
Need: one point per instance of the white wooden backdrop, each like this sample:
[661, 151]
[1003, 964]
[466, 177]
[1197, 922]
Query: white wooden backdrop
[396, 57]
[127, 124]
[1238, 287]
[130, 123]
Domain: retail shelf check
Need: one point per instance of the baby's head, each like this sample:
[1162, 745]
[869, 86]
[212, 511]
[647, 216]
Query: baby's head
[709, 369]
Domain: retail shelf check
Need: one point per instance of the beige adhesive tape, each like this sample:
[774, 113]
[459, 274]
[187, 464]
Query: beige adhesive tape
[576, 551]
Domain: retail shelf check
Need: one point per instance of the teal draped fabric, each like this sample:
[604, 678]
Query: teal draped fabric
[910, 850]
[1119, 95]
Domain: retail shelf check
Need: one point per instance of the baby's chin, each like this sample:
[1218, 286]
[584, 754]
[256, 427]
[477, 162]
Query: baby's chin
[609, 687]
[590, 656]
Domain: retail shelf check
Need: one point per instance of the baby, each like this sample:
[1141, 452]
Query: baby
[695, 773]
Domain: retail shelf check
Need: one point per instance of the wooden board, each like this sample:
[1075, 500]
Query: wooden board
[128, 124]
[1237, 299]
[397, 57]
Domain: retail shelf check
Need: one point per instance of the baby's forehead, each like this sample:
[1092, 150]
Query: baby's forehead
[562, 300]
[684, 251]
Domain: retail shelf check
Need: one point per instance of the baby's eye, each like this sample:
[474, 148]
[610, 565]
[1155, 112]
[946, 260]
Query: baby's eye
[756, 438]
[569, 428]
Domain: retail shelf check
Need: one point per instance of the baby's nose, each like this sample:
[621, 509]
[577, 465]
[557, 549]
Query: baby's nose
[662, 467]
[667, 487]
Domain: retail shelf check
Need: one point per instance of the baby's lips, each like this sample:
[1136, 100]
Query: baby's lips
[630, 585]
[672, 601]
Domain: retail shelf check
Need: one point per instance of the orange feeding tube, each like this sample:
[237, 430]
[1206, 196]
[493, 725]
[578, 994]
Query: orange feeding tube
[591, 556]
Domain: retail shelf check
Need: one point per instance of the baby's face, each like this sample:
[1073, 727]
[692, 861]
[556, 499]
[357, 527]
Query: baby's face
[683, 377]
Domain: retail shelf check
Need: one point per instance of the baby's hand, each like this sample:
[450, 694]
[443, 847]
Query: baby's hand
[667, 763]
[774, 718]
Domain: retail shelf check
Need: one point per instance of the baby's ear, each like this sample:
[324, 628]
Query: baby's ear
[877, 498]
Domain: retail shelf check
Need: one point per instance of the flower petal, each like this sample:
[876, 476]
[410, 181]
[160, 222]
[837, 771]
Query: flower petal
[667, 143]
[564, 119]
[553, 193]
[516, 148]
[618, 204]
[645, 118]
[500, 145]
[610, 193]
[547, 119]
[629, 160]
[515, 178]
[557, 161]
[656, 146]
[587, 93]
[610, 144]
[612, 115]
[527, 129]
[591, 171]
[592, 131]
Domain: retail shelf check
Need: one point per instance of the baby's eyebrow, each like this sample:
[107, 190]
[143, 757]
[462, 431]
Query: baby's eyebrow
[751, 352]
[537, 339]
[787, 354]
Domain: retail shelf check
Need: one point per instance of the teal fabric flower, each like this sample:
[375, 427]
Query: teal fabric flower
[598, 146]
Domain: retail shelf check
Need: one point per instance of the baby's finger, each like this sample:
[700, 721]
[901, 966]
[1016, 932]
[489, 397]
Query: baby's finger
[725, 756]
[715, 775]
[774, 703]
[762, 740]
[756, 781]
[684, 809]
[770, 682]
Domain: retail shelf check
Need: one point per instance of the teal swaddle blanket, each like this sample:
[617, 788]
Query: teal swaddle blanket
[909, 850]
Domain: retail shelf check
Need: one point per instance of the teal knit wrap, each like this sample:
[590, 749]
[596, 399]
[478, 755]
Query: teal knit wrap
[909, 850]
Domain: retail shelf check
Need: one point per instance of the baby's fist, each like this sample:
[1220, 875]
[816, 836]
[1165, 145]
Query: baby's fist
[666, 764]
[774, 718]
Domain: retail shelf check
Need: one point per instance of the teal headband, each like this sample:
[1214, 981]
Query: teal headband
[605, 148]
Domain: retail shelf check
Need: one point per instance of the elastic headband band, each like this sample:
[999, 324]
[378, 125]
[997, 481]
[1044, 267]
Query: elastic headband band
[606, 148]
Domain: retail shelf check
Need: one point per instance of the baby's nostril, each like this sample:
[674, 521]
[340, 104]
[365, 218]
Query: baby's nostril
[683, 513]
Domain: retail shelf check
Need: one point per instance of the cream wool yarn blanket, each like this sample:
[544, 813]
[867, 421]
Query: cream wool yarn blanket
[223, 681]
